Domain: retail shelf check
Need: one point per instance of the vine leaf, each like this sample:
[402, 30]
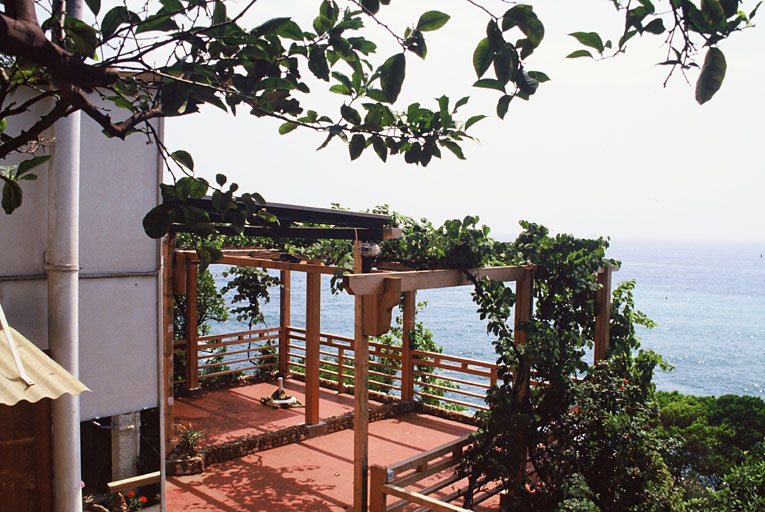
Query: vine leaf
[712, 75]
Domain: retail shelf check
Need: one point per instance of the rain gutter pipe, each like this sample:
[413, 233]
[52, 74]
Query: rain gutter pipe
[63, 297]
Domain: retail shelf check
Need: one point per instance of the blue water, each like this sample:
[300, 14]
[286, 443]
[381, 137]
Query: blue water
[708, 300]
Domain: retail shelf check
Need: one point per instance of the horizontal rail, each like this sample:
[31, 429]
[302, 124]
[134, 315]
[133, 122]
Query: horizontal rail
[239, 333]
[133, 482]
[237, 370]
[452, 401]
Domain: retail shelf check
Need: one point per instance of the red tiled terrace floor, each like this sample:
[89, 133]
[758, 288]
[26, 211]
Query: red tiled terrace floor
[313, 475]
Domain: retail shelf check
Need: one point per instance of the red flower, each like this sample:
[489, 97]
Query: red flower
[576, 410]
[626, 381]
[621, 387]
[142, 499]
[130, 494]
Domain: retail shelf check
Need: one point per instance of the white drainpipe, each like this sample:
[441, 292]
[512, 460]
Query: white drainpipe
[63, 297]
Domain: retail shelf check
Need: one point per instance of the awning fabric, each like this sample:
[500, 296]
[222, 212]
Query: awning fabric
[49, 378]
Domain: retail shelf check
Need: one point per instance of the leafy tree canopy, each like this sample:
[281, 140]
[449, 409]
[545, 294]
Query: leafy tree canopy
[169, 58]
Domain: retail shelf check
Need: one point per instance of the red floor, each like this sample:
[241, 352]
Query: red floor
[314, 475]
[227, 414]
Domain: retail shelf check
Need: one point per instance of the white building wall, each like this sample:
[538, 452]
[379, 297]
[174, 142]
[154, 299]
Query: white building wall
[119, 281]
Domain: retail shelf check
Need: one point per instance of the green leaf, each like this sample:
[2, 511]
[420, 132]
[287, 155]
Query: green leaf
[432, 20]
[473, 120]
[482, 57]
[579, 53]
[3, 124]
[412, 155]
[356, 146]
[713, 11]
[220, 179]
[454, 148]
[93, 5]
[350, 114]
[712, 75]
[159, 220]
[161, 23]
[183, 158]
[219, 13]
[174, 97]
[340, 89]
[287, 127]
[372, 6]
[392, 75]
[490, 83]
[28, 165]
[460, 103]
[503, 104]
[626, 37]
[504, 65]
[274, 83]
[591, 39]
[655, 27]
[12, 195]
[539, 76]
[116, 17]
[523, 17]
[83, 36]
[317, 63]
[379, 146]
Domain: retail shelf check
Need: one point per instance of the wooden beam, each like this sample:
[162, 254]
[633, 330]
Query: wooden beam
[312, 347]
[360, 401]
[378, 477]
[248, 261]
[192, 363]
[603, 318]
[377, 309]
[421, 499]
[169, 275]
[372, 284]
[284, 321]
[178, 284]
[407, 342]
[133, 482]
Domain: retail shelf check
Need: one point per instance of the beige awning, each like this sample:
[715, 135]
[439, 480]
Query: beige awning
[49, 379]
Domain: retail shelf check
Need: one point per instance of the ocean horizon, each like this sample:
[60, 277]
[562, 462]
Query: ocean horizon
[707, 299]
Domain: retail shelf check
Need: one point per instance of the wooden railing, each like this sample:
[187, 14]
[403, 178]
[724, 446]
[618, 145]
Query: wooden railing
[466, 379]
[394, 479]
[222, 354]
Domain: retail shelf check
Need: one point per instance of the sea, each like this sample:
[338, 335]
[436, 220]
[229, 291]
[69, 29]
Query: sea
[707, 299]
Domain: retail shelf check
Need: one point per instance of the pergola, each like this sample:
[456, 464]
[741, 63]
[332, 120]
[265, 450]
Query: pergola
[376, 294]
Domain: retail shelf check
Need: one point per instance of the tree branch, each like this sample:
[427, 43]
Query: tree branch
[25, 39]
[61, 109]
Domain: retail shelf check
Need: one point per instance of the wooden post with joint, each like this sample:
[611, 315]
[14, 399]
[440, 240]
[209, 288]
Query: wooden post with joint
[524, 300]
[284, 323]
[360, 399]
[312, 347]
[168, 314]
[603, 318]
[192, 336]
[378, 477]
[407, 341]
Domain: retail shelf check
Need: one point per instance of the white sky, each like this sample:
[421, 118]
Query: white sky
[601, 149]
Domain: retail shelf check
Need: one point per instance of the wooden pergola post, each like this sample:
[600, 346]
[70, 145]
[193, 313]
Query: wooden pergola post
[192, 354]
[360, 400]
[524, 299]
[284, 322]
[168, 312]
[407, 369]
[312, 347]
[603, 318]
